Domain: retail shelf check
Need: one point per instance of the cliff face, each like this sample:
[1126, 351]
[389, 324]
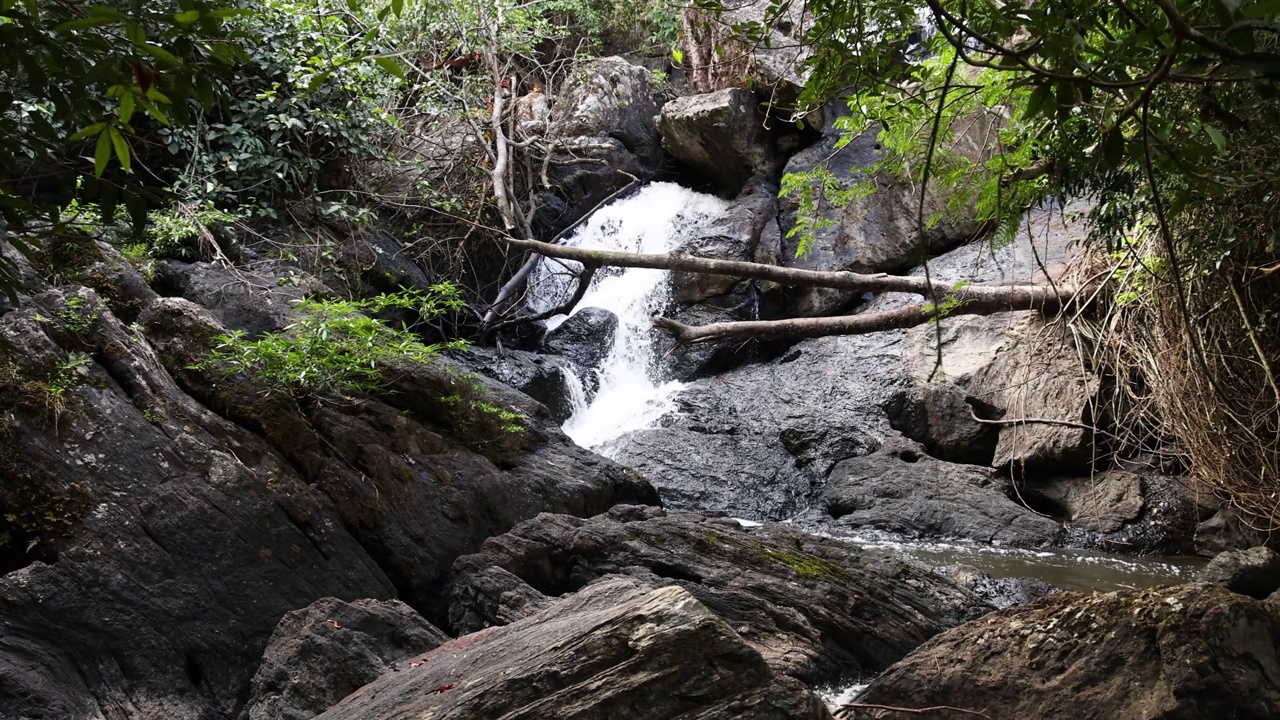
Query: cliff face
[173, 520]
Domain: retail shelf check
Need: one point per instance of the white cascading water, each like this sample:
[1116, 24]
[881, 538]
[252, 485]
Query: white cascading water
[654, 220]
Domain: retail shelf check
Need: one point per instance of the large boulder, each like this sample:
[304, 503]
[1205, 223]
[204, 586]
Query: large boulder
[746, 476]
[815, 608]
[162, 519]
[1190, 651]
[902, 491]
[543, 377]
[721, 135]
[602, 133]
[329, 649]
[618, 649]
[1141, 513]
[1254, 572]
[877, 232]
[585, 337]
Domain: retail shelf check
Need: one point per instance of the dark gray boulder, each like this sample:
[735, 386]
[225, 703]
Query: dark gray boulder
[329, 649]
[747, 476]
[616, 650]
[721, 135]
[538, 375]
[585, 337]
[1189, 651]
[602, 131]
[1254, 572]
[1138, 513]
[814, 607]
[1001, 592]
[900, 490]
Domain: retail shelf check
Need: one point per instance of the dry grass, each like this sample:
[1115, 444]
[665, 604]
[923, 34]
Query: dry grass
[1194, 384]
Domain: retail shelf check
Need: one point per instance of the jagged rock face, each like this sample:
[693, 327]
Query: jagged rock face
[876, 233]
[902, 491]
[602, 129]
[1190, 651]
[329, 649]
[616, 650]
[718, 60]
[813, 607]
[749, 477]
[191, 513]
[746, 230]
[537, 375]
[721, 135]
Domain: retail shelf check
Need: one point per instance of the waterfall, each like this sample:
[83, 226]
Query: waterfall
[631, 394]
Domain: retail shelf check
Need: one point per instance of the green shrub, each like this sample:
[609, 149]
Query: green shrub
[335, 347]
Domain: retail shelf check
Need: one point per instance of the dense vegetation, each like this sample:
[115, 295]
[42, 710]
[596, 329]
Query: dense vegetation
[328, 115]
[1162, 115]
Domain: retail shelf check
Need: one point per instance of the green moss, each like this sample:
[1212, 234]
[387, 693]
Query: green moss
[806, 566]
[30, 509]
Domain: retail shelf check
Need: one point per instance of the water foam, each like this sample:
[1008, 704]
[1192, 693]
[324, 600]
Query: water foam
[631, 394]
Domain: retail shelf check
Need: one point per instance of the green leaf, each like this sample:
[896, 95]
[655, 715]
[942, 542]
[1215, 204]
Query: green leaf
[154, 112]
[107, 12]
[126, 107]
[677, 56]
[102, 153]
[84, 23]
[1216, 136]
[317, 80]
[224, 13]
[121, 147]
[85, 133]
[160, 54]
[390, 65]
[188, 17]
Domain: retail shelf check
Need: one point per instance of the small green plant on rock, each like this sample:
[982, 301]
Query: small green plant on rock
[335, 347]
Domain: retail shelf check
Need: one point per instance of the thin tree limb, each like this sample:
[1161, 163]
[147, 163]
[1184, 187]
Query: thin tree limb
[584, 282]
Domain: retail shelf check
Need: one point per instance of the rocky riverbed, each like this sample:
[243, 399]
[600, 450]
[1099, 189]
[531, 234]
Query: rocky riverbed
[732, 539]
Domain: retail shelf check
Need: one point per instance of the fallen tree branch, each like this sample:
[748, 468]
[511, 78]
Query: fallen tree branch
[584, 282]
[1009, 297]
[912, 711]
[803, 328]
[522, 275]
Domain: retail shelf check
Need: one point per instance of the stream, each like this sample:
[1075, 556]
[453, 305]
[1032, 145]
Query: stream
[631, 396]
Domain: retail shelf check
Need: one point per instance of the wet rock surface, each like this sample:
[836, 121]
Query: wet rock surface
[1189, 651]
[194, 512]
[1001, 592]
[329, 649]
[748, 476]
[538, 375]
[585, 337]
[905, 492]
[617, 649]
[815, 608]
